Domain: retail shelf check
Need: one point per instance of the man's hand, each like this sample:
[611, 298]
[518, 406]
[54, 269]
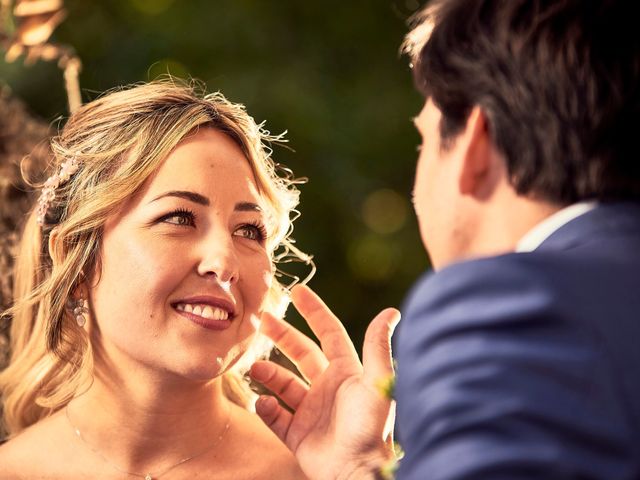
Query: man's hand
[337, 428]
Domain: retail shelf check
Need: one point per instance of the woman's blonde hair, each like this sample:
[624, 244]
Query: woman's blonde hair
[118, 141]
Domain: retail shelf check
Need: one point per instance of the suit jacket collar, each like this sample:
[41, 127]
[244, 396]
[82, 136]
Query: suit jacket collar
[606, 219]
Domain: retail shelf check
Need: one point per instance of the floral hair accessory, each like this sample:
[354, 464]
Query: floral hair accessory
[48, 193]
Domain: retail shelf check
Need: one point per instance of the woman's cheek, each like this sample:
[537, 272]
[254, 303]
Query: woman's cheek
[259, 275]
[267, 278]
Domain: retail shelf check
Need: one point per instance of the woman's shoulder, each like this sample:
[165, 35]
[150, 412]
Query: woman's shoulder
[36, 449]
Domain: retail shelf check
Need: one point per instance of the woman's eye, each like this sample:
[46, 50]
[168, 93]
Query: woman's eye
[251, 232]
[181, 218]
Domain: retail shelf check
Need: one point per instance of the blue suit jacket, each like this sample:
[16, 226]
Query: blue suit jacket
[527, 365]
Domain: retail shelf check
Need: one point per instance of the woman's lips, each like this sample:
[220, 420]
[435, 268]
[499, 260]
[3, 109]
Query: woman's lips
[208, 312]
[208, 323]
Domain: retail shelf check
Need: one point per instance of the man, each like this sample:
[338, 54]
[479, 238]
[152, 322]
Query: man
[520, 357]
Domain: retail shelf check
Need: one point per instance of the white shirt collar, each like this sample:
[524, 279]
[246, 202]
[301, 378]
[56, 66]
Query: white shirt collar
[543, 230]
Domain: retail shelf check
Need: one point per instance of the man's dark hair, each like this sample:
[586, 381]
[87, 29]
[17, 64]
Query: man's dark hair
[558, 81]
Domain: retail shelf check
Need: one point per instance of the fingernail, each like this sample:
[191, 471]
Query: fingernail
[259, 372]
[395, 322]
[265, 405]
[298, 290]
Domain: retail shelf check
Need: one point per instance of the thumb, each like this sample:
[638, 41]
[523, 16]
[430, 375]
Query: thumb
[376, 351]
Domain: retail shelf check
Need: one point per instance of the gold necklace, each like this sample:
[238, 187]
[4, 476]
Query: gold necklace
[150, 475]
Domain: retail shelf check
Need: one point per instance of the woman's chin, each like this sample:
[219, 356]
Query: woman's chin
[206, 367]
[201, 373]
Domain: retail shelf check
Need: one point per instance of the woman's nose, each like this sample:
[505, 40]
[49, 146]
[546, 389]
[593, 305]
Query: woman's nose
[219, 259]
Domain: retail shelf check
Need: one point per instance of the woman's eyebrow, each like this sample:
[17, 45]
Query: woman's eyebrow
[247, 207]
[192, 196]
[202, 200]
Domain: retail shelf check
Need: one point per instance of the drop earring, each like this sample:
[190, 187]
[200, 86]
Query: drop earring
[79, 309]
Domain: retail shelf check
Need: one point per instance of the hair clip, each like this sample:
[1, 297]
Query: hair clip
[48, 193]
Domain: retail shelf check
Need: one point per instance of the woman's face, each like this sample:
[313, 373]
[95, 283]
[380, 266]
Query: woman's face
[184, 267]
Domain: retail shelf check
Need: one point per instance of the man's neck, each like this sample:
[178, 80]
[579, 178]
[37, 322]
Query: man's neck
[504, 225]
[544, 229]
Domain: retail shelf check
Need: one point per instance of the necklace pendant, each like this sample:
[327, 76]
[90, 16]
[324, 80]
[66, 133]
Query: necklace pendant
[148, 477]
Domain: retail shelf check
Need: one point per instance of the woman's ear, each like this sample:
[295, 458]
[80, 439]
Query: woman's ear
[53, 240]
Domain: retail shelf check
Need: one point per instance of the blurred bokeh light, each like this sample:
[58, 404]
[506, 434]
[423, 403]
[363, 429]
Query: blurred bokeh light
[385, 211]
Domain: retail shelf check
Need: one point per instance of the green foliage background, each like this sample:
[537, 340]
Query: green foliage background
[328, 72]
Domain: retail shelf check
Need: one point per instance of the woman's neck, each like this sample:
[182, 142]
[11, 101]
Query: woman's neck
[145, 420]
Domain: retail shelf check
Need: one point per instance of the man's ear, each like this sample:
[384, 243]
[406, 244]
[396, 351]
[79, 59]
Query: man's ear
[479, 156]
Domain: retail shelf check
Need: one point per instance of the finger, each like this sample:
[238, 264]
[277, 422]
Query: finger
[281, 381]
[332, 335]
[299, 348]
[376, 351]
[274, 416]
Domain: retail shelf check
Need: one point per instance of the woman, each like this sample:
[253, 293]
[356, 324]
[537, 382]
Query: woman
[142, 274]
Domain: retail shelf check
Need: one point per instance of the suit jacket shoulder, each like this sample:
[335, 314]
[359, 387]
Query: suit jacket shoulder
[506, 370]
